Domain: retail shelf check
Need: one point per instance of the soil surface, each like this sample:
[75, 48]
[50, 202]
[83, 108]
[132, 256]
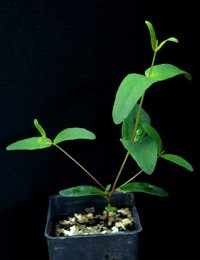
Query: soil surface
[90, 222]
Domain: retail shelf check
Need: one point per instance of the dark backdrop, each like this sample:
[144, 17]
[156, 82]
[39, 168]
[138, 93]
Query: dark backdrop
[61, 62]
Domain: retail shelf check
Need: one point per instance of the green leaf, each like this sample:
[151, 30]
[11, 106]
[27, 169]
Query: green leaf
[110, 208]
[74, 133]
[108, 187]
[154, 41]
[143, 187]
[129, 123]
[171, 39]
[39, 127]
[165, 71]
[31, 143]
[152, 35]
[177, 160]
[143, 152]
[83, 190]
[155, 135]
[129, 92]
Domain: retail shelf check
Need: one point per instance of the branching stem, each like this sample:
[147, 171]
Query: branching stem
[88, 173]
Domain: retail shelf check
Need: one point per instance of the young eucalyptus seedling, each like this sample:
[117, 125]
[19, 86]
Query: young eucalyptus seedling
[140, 139]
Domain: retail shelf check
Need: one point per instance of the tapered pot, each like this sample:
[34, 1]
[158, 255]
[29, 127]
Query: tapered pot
[115, 246]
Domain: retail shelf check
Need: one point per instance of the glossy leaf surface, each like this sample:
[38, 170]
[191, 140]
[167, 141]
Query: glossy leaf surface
[74, 133]
[129, 123]
[82, 190]
[32, 143]
[143, 187]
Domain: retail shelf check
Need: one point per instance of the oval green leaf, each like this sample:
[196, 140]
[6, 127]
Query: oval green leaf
[83, 190]
[143, 187]
[177, 160]
[143, 152]
[152, 35]
[74, 133]
[129, 92]
[32, 143]
[171, 39]
[165, 71]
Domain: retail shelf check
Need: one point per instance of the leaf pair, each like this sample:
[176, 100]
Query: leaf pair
[42, 141]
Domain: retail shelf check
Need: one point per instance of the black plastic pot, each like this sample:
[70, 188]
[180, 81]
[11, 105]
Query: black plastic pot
[115, 246]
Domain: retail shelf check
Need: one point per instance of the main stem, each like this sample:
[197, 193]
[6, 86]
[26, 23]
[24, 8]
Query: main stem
[132, 138]
[133, 135]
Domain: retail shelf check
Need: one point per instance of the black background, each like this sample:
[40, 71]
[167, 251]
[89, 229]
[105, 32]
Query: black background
[61, 62]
